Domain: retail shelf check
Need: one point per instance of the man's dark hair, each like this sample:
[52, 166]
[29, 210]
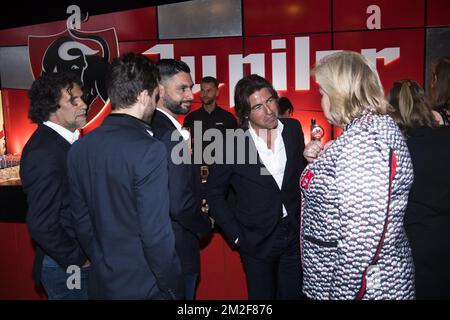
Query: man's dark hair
[170, 67]
[45, 93]
[244, 89]
[209, 79]
[285, 104]
[127, 77]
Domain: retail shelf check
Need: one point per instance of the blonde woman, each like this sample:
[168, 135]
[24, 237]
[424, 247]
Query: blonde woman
[353, 243]
[427, 219]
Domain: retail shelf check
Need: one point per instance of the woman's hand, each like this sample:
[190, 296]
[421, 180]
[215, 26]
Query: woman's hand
[314, 149]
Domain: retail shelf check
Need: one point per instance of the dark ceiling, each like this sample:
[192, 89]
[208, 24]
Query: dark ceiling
[19, 13]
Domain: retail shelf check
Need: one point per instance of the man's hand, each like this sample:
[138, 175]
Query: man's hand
[205, 207]
[86, 264]
[205, 210]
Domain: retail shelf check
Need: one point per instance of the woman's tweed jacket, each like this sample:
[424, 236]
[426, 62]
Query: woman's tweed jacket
[353, 243]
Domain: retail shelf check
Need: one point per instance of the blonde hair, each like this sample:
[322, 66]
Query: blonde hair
[412, 109]
[353, 86]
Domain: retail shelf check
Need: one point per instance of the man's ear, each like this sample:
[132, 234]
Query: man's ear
[161, 91]
[433, 80]
[142, 96]
[156, 95]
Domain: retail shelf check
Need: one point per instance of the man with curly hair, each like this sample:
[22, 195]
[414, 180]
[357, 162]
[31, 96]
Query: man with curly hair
[57, 107]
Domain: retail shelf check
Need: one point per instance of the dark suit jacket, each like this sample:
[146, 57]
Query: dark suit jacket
[119, 193]
[259, 199]
[189, 223]
[43, 172]
[427, 217]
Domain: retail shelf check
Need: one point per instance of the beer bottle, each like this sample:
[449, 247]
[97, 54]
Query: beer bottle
[317, 131]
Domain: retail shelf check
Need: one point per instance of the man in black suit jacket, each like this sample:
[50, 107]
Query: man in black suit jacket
[188, 221]
[56, 106]
[265, 223]
[120, 196]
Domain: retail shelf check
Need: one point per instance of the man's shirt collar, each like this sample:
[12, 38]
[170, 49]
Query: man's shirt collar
[68, 135]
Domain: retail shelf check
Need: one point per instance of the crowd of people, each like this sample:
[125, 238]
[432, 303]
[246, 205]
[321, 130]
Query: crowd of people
[365, 216]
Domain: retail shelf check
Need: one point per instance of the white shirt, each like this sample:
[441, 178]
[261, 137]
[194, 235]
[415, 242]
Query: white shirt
[184, 133]
[68, 135]
[274, 159]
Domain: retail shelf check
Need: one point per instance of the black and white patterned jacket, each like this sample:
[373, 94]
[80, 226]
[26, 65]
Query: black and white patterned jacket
[353, 242]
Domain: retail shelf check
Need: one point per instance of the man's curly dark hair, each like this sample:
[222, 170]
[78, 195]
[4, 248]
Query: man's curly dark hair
[45, 93]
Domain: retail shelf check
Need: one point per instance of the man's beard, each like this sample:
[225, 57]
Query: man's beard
[175, 106]
[207, 101]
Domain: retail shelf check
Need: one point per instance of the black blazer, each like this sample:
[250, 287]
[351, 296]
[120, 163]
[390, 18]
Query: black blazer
[189, 223]
[427, 217]
[43, 171]
[259, 199]
[119, 194]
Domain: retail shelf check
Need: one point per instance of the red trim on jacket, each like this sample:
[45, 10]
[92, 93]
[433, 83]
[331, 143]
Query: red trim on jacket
[393, 166]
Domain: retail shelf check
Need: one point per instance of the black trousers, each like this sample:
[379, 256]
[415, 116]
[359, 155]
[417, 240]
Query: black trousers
[279, 275]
